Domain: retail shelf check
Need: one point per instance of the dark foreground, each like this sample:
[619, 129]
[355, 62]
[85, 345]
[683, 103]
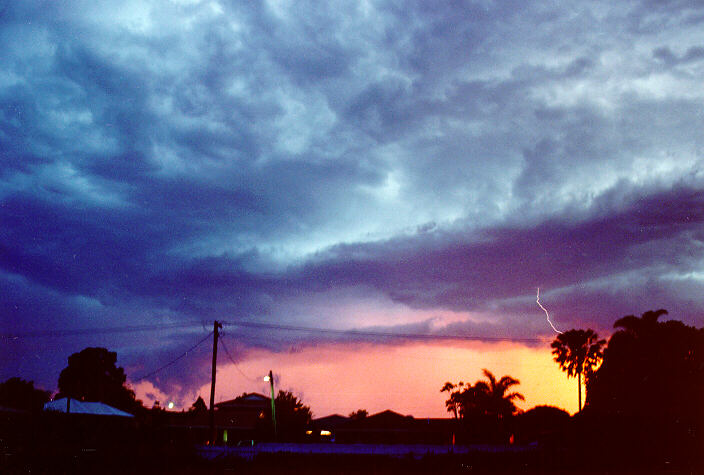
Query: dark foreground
[59, 444]
[185, 460]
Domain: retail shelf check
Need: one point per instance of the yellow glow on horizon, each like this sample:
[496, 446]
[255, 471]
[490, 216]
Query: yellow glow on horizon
[404, 378]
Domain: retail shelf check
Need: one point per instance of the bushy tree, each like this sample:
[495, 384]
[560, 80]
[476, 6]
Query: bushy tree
[17, 393]
[358, 414]
[92, 375]
[651, 365]
[649, 389]
[541, 422]
[199, 406]
[453, 403]
[292, 416]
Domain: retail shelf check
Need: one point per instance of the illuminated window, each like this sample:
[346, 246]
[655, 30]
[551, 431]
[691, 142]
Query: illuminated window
[224, 436]
[325, 432]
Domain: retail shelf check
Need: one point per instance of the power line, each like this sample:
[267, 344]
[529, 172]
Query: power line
[148, 375]
[364, 333]
[104, 330]
[232, 360]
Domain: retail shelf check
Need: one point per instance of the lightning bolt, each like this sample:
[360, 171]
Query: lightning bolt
[547, 315]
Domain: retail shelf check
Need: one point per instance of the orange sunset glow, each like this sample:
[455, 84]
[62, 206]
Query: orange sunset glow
[407, 379]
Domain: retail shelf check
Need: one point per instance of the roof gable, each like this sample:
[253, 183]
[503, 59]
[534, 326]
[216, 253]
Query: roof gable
[253, 397]
[385, 419]
[76, 406]
[331, 421]
[247, 399]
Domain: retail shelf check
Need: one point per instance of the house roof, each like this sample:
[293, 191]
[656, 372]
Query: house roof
[390, 420]
[330, 422]
[245, 400]
[384, 419]
[84, 407]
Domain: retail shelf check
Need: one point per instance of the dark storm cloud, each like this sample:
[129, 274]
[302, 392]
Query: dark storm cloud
[186, 161]
[654, 232]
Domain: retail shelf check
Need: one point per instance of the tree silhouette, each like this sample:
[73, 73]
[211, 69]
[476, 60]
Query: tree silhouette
[92, 375]
[198, 406]
[484, 398]
[499, 403]
[578, 352]
[642, 326]
[292, 416]
[358, 414]
[541, 421]
[649, 363]
[485, 407]
[645, 400]
[20, 394]
[453, 403]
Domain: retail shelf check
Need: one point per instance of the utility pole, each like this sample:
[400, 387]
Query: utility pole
[270, 378]
[213, 434]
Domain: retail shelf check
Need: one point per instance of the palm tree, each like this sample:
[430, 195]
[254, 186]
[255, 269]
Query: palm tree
[578, 352]
[484, 408]
[485, 398]
[498, 403]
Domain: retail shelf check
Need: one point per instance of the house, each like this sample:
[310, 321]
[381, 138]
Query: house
[76, 406]
[386, 427]
[237, 421]
[75, 426]
[244, 418]
[325, 428]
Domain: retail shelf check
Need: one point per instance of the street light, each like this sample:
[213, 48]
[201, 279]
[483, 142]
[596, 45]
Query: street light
[270, 379]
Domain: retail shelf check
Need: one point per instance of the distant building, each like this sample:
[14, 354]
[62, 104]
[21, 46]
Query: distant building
[242, 419]
[237, 421]
[325, 428]
[69, 425]
[76, 406]
[246, 419]
[387, 427]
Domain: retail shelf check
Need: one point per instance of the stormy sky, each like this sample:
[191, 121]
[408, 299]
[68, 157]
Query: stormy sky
[402, 167]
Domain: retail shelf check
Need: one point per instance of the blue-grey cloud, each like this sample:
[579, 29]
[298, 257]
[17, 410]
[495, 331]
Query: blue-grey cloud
[188, 161]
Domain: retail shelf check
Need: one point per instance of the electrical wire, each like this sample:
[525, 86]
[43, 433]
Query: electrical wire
[363, 333]
[148, 375]
[232, 360]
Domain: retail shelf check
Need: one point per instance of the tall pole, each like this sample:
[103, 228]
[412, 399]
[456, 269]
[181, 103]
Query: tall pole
[216, 334]
[273, 406]
[579, 391]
